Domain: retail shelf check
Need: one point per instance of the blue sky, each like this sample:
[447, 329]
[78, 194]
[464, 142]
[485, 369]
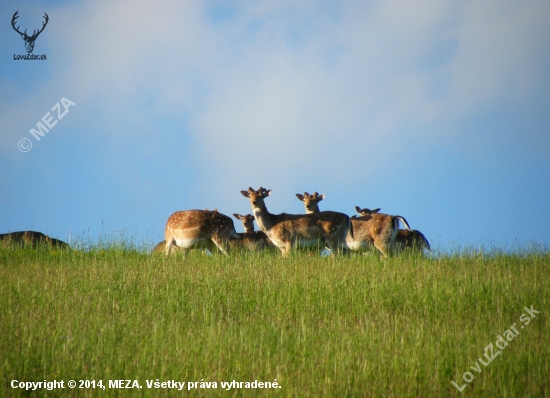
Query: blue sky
[436, 111]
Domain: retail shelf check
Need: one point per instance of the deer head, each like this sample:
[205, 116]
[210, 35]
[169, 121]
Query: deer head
[256, 197]
[365, 211]
[29, 40]
[311, 201]
[248, 221]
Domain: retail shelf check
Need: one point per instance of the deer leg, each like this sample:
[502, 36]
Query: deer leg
[223, 244]
[286, 249]
[337, 245]
[381, 246]
[169, 242]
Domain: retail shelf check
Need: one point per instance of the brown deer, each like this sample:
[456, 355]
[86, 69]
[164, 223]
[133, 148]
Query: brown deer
[199, 229]
[311, 202]
[251, 240]
[289, 231]
[377, 229]
[369, 231]
[405, 239]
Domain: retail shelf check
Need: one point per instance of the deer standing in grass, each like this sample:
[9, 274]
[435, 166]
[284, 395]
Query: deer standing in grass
[31, 238]
[372, 230]
[199, 229]
[405, 239]
[251, 240]
[289, 231]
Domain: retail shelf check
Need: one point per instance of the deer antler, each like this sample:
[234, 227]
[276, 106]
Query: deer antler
[15, 16]
[35, 35]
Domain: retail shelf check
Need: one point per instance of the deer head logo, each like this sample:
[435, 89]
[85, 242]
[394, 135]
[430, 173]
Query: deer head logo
[29, 40]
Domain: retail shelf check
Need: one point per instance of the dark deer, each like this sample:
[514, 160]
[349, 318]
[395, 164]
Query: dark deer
[405, 239]
[32, 238]
[29, 40]
[199, 229]
[251, 240]
[289, 231]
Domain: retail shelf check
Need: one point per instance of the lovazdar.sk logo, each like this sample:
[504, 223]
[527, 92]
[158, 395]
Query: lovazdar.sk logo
[29, 40]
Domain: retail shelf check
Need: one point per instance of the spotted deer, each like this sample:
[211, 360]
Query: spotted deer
[376, 229]
[370, 231]
[405, 239]
[311, 202]
[289, 231]
[251, 240]
[199, 229]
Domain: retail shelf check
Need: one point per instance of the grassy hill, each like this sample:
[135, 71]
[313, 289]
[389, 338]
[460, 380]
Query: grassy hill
[355, 326]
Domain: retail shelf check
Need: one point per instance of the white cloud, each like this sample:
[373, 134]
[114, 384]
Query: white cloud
[294, 88]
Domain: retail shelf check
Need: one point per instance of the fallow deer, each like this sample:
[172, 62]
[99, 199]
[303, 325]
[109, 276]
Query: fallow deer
[199, 229]
[251, 240]
[405, 239]
[289, 231]
[161, 246]
[33, 238]
[311, 202]
[376, 229]
[370, 230]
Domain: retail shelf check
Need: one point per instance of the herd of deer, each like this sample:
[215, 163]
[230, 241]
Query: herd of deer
[318, 229]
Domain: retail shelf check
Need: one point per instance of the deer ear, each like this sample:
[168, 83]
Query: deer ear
[300, 196]
[358, 209]
[237, 216]
[322, 196]
[375, 210]
[245, 193]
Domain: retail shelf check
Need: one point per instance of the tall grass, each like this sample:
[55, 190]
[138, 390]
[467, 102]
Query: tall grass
[354, 326]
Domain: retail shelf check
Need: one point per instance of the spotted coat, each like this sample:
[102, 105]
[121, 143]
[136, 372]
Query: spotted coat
[199, 229]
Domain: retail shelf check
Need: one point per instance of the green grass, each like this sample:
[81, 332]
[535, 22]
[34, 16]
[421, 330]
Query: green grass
[355, 326]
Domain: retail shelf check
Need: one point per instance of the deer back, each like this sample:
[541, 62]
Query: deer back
[199, 224]
[313, 226]
[371, 226]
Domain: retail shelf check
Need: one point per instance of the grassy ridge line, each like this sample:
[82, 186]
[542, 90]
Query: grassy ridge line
[322, 327]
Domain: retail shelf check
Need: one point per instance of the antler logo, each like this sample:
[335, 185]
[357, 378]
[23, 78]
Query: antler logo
[29, 40]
